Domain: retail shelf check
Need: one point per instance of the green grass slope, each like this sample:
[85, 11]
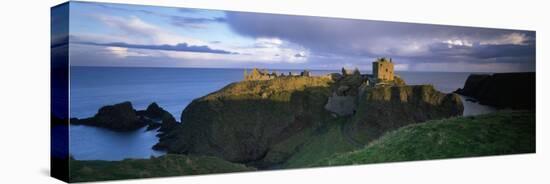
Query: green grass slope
[491, 134]
[318, 145]
[168, 165]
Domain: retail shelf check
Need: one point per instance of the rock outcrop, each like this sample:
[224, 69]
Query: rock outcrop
[347, 89]
[502, 90]
[118, 117]
[341, 105]
[160, 117]
[155, 111]
[123, 117]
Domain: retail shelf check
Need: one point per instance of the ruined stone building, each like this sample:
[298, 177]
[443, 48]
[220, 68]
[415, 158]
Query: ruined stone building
[256, 74]
[350, 72]
[382, 69]
[305, 73]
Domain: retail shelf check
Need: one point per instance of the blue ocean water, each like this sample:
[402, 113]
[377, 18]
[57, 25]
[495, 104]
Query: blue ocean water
[93, 143]
[173, 89]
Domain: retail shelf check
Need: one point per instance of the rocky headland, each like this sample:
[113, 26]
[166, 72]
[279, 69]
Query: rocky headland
[265, 122]
[123, 117]
[502, 90]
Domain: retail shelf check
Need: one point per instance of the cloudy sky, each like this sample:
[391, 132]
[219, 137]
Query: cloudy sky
[147, 36]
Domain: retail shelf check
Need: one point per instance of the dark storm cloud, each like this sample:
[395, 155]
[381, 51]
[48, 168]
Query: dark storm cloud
[182, 47]
[364, 38]
[441, 50]
[507, 50]
[299, 55]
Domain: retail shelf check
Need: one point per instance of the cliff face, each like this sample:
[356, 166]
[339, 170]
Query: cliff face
[247, 120]
[241, 121]
[502, 90]
[382, 109]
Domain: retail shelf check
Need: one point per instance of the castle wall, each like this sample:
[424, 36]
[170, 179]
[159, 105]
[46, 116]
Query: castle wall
[383, 70]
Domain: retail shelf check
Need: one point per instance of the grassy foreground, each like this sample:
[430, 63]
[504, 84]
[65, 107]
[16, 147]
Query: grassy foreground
[167, 165]
[491, 134]
[311, 146]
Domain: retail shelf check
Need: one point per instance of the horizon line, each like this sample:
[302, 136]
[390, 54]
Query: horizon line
[274, 69]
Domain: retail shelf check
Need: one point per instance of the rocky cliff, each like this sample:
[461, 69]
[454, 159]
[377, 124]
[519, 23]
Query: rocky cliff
[386, 108]
[123, 117]
[502, 90]
[243, 121]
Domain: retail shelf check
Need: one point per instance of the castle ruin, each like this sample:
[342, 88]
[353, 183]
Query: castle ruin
[350, 84]
[382, 69]
[257, 74]
[382, 73]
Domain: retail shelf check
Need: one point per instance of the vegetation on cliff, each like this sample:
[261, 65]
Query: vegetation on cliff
[386, 108]
[243, 120]
[167, 165]
[309, 146]
[505, 132]
[283, 122]
[498, 133]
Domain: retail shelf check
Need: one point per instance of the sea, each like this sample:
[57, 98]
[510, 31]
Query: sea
[173, 89]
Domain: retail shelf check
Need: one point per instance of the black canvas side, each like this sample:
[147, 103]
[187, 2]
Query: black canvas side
[59, 123]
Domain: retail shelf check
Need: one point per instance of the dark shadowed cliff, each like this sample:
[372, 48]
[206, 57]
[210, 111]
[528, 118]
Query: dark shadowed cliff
[241, 121]
[265, 122]
[382, 109]
[502, 90]
[123, 117]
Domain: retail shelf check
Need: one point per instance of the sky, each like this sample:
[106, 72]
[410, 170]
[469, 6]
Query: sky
[147, 36]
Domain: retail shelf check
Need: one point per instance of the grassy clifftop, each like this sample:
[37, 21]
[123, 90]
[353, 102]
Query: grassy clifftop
[492, 134]
[266, 89]
[243, 120]
[168, 165]
[283, 122]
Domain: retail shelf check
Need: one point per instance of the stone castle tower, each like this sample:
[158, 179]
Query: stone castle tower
[382, 69]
